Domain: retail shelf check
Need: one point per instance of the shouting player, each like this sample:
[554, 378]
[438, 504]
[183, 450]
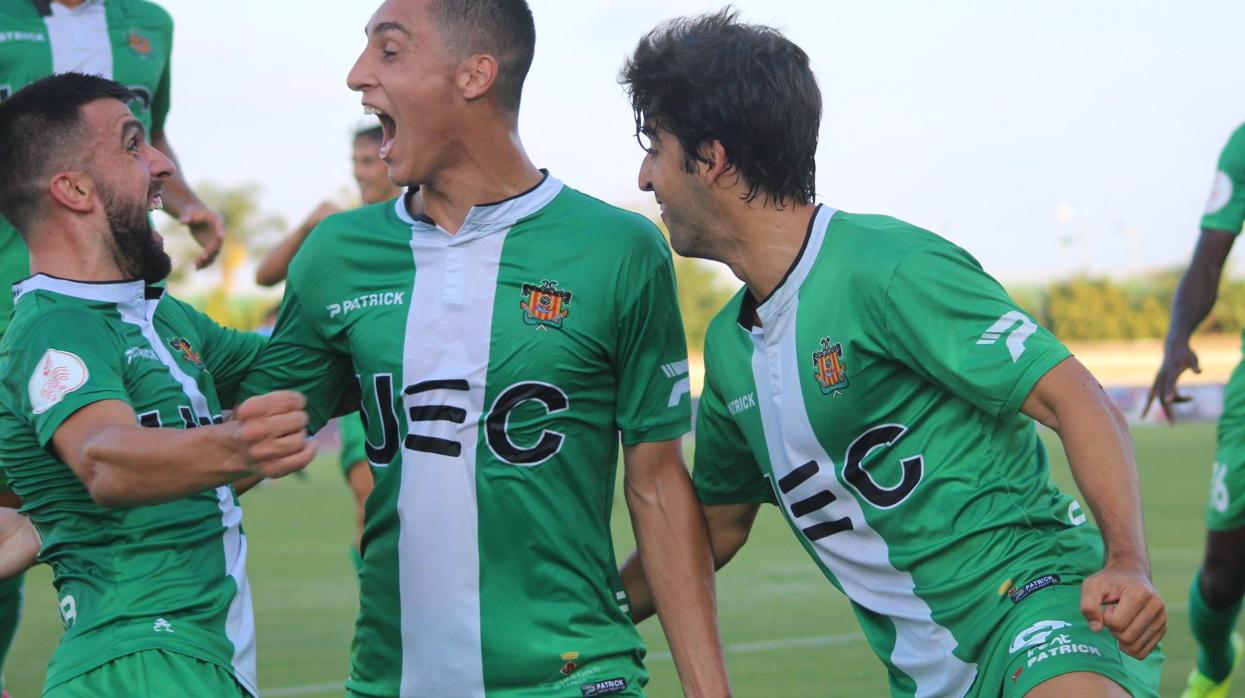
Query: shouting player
[881, 389]
[1215, 597]
[110, 404]
[505, 329]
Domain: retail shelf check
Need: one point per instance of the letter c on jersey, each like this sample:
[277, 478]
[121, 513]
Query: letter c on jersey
[855, 473]
[497, 424]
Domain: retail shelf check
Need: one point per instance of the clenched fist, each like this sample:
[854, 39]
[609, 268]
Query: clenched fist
[270, 434]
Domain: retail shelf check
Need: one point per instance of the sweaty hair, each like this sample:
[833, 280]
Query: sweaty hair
[504, 29]
[41, 130]
[712, 78]
[371, 133]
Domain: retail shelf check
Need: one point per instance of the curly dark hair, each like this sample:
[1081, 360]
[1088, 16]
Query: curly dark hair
[712, 78]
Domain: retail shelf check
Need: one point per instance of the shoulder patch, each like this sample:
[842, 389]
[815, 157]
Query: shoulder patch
[1220, 193]
[58, 373]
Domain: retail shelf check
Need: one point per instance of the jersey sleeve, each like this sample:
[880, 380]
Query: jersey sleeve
[227, 353]
[299, 357]
[654, 402]
[724, 471]
[949, 321]
[68, 359]
[1225, 210]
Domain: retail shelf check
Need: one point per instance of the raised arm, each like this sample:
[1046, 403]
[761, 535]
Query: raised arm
[1100, 454]
[673, 546]
[275, 265]
[124, 464]
[1195, 296]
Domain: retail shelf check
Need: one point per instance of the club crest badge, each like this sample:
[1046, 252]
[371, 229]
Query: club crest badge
[546, 305]
[138, 43]
[188, 352]
[831, 373]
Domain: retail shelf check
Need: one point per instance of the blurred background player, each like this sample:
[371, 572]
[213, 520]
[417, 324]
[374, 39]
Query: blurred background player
[881, 389]
[111, 395]
[372, 175]
[1215, 596]
[129, 41]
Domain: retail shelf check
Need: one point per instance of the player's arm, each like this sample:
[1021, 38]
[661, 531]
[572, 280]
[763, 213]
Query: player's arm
[180, 201]
[276, 264]
[728, 527]
[1195, 296]
[1095, 437]
[19, 543]
[124, 464]
[673, 548]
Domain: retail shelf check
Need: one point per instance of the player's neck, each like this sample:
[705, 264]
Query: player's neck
[492, 169]
[766, 244]
[71, 256]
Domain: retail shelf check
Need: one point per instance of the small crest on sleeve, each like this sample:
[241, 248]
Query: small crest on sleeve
[57, 374]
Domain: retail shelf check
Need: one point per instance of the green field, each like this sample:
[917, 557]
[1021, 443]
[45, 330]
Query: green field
[787, 631]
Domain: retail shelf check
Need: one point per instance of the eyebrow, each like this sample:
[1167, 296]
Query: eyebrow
[387, 27]
[130, 126]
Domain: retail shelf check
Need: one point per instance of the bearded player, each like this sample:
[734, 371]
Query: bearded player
[1215, 597]
[110, 411]
[881, 389]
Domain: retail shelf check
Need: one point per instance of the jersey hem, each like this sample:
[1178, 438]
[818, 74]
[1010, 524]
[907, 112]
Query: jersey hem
[662, 432]
[1039, 367]
[61, 412]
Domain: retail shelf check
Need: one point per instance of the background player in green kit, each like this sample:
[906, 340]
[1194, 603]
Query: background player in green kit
[1215, 597]
[372, 175]
[110, 404]
[501, 349]
[881, 389]
[126, 40]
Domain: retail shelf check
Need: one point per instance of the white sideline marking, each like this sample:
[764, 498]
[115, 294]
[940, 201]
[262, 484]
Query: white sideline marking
[738, 648]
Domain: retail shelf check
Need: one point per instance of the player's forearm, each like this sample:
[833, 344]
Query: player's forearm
[1195, 297]
[19, 544]
[639, 598]
[135, 466]
[673, 548]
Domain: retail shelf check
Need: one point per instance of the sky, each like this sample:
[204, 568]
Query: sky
[1046, 138]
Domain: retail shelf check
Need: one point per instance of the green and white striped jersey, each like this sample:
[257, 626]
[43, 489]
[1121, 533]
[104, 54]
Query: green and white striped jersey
[498, 367]
[878, 406]
[169, 576]
[129, 41]
[1225, 209]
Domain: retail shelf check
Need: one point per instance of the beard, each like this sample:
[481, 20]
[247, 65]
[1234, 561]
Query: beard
[134, 247]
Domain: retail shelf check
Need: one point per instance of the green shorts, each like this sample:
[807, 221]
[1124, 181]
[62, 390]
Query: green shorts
[152, 674]
[354, 442]
[1045, 636]
[1225, 508]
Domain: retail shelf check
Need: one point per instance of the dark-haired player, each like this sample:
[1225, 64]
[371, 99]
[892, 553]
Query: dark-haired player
[505, 330]
[110, 411]
[881, 389]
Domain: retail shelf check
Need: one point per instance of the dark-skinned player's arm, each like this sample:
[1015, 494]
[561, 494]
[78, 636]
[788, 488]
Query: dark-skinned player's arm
[206, 226]
[1121, 597]
[1195, 296]
[673, 545]
[728, 525]
[19, 543]
[124, 464]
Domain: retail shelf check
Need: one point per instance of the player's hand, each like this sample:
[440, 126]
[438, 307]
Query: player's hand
[1124, 601]
[271, 434]
[1176, 360]
[324, 210]
[207, 228]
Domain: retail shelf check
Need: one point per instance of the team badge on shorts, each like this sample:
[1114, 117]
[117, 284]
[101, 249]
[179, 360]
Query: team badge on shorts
[188, 352]
[831, 372]
[546, 305]
[138, 43]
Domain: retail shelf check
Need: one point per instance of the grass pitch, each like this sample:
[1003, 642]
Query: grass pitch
[787, 631]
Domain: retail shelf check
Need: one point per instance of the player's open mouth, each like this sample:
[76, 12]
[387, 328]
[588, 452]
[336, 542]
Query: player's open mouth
[388, 126]
[155, 202]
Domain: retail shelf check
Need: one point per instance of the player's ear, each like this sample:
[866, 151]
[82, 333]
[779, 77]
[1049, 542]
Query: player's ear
[73, 189]
[713, 165]
[476, 76]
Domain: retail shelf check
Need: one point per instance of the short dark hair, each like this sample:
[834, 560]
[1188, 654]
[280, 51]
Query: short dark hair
[41, 128]
[503, 29]
[712, 78]
[370, 133]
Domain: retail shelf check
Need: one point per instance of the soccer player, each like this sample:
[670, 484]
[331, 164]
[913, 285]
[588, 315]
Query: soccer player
[505, 329]
[126, 40]
[372, 175]
[1215, 597]
[110, 411]
[881, 389]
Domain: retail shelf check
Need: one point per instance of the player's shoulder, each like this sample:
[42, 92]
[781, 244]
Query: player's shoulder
[875, 245]
[610, 227]
[1233, 154]
[725, 323]
[148, 13]
[345, 236]
[19, 9]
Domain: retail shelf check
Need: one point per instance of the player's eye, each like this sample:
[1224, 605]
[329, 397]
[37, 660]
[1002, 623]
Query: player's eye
[646, 142]
[133, 146]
